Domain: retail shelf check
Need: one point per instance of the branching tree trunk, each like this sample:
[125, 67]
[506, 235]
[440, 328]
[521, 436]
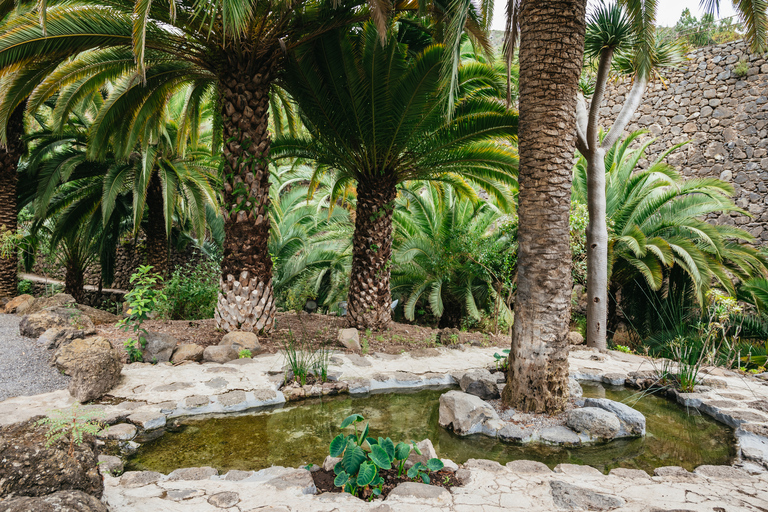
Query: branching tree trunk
[551, 48]
[9, 161]
[157, 239]
[246, 300]
[594, 150]
[369, 297]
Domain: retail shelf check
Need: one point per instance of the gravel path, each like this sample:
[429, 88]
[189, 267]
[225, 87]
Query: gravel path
[24, 368]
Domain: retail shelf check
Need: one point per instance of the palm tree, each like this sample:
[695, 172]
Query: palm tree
[374, 116]
[609, 33]
[452, 254]
[656, 223]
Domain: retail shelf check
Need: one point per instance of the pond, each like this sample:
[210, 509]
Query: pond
[297, 435]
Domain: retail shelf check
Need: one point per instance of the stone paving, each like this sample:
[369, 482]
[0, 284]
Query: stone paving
[151, 394]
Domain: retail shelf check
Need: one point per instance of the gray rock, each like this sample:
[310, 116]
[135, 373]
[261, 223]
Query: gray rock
[187, 352]
[235, 475]
[570, 497]
[54, 301]
[512, 433]
[120, 432]
[484, 465]
[464, 413]
[242, 340]
[629, 473]
[98, 316]
[427, 452]
[673, 472]
[419, 491]
[94, 365]
[350, 338]
[330, 462]
[159, 348]
[219, 354]
[574, 389]
[559, 435]
[721, 472]
[111, 465]
[575, 338]
[61, 501]
[35, 324]
[224, 499]
[300, 478]
[528, 466]
[595, 422]
[184, 494]
[480, 383]
[147, 420]
[140, 478]
[632, 421]
[201, 473]
[55, 337]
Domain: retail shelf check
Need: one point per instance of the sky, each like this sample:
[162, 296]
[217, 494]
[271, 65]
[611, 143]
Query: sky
[667, 15]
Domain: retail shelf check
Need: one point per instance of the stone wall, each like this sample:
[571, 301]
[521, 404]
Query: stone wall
[722, 114]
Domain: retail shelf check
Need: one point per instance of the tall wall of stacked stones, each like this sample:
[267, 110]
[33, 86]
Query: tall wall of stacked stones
[723, 112]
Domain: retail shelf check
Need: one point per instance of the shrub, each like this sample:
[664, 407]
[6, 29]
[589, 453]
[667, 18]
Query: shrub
[741, 69]
[143, 299]
[71, 423]
[25, 287]
[191, 293]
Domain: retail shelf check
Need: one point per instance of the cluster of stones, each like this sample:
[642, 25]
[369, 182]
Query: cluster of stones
[593, 420]
[724, 114]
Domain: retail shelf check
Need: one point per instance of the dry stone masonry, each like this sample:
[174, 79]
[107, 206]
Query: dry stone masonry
[722, 112]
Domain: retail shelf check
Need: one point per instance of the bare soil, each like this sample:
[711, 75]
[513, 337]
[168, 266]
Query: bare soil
[443, 478]
[315, 330]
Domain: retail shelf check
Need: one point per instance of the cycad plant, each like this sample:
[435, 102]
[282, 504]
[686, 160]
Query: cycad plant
[453, 255]
[656, 220]
[375, 119]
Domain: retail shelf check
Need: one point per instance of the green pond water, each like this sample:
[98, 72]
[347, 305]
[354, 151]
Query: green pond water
[300, 434]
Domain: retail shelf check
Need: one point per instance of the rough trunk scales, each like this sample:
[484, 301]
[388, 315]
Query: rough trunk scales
[246, 301]
[157, 239]
[9, 161]
[369, 303]
[551, 47]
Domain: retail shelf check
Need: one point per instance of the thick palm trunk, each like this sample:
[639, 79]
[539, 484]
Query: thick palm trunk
[157, 238]
[597, 252]
[246, 301]
[551, 47]
[73, 282]
[9, 161]
[369, 301]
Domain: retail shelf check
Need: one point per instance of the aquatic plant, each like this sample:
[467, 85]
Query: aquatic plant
[362, 457]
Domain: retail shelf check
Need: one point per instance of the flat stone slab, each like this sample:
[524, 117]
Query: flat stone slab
[120, 432]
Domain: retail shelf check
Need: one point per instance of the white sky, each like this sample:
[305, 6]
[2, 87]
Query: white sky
[667, 15]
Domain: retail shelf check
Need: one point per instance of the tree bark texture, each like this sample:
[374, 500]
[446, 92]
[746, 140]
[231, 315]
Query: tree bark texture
[597, 252]
[74, 281]
[157, 238]
[369, 301]
[9, 161]
[551, 48]
[246, 300]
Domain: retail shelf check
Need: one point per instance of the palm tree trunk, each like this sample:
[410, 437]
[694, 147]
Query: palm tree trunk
[73, 281]
[369, 301]
[9, 161]
[157, 238]
[551, 47]
[246, 300]
[597, 252]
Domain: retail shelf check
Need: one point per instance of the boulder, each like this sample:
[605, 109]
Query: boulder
[559, 435]
[35, 324]
[427, 452]
[575, 338]
[595, 422]
[350, 339]
[465, 413]
[54, 301]
[28, 468]
[62, 501]
[242, 340]
[574, 389]
[94, 365]
[219, 354]
[110, 465]
[19, 304]
[159, 347]
[187, 352]
[57, 337]
[632, 421]
[98, 316]
[480, 383]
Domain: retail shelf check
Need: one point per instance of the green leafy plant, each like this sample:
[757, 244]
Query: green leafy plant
[362, 458]
[243, 354]
[25, 287]
[142, 300]
[191, 293]
[741, 69]
[304, 360]
[623, 348]
[71, 423]
[502, 361]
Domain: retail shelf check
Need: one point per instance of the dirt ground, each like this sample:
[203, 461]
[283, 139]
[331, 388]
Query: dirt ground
[317, 330]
